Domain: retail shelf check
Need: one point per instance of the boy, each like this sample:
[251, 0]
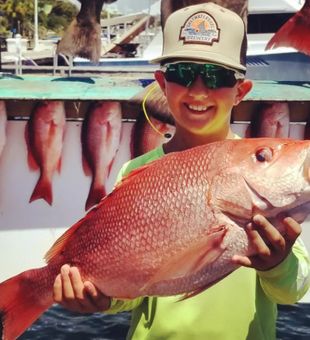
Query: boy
[202, 76]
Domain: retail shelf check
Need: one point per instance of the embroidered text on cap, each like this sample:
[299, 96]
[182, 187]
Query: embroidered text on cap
[200, 28]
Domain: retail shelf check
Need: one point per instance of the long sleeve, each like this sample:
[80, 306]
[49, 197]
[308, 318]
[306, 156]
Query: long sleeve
[290, 280]
[118, 306]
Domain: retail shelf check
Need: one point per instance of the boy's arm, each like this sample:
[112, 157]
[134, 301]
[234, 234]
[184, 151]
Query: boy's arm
[289, 281]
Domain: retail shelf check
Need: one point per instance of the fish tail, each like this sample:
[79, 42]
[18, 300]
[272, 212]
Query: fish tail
[294, 33]
[96, 193]
[43, 189]
[21, 303]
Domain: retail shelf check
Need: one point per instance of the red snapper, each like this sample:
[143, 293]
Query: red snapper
[101, 134]
[44, 136]
[170, 227]
[295, 32]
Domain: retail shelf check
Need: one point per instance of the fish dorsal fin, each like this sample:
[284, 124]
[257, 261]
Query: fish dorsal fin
[202, 253]
[61, 242]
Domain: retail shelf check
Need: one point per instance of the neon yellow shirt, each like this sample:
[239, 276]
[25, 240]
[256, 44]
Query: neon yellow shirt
[243, 306]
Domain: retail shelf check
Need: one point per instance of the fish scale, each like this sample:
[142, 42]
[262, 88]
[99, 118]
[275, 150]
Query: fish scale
[172, 226]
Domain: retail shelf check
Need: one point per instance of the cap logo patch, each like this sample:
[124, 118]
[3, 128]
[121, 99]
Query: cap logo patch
[200, 28]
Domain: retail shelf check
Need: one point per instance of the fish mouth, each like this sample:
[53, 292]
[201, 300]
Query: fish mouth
[261, 205]
[259, 202]
[297, 209]
[295, 204]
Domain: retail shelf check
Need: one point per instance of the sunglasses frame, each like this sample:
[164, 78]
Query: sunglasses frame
[213, 76]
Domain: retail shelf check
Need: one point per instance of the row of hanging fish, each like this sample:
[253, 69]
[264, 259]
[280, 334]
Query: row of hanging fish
[44, 134]
[269, 119]
[101, 134]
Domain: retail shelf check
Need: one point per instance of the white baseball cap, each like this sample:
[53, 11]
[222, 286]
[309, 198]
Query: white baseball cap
[206, 32]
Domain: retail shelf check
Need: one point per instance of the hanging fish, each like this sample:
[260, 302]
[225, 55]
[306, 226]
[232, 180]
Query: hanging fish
[295, 32]
[83, 36]
[3, 123]
[271, 119]
[146, 137]
[44, 135]
[101, 133]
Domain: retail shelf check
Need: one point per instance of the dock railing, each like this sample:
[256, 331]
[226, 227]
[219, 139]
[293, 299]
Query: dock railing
[123, 36]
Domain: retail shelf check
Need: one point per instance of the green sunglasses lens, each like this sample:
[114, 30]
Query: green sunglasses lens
[216, 76]
[182, 74]
[213, 76]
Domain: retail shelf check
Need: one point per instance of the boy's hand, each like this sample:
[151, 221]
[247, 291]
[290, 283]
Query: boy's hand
[72, 293]
[271, 247]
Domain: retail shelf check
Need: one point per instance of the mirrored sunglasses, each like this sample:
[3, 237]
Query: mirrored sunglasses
[213, 76]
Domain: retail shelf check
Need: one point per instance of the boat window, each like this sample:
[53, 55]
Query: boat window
[267, 23]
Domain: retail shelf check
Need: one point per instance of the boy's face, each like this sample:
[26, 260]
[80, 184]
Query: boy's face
[198, 108]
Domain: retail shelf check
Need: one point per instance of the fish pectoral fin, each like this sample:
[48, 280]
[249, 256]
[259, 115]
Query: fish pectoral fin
[33, 165]
[61, 243]
[86, 167]
[193, 259]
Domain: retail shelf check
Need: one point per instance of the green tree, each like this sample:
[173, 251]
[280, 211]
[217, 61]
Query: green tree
[18, 16]
[60, 16]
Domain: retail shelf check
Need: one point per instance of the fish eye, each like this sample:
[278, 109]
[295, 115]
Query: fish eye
[264, 154]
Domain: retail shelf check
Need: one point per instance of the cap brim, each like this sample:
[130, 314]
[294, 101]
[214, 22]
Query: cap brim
[207, 57]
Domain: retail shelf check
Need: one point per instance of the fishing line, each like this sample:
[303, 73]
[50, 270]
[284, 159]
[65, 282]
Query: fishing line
[166, 135]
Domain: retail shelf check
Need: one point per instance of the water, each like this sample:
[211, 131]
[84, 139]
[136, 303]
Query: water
[294, 322]
[59, 324]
